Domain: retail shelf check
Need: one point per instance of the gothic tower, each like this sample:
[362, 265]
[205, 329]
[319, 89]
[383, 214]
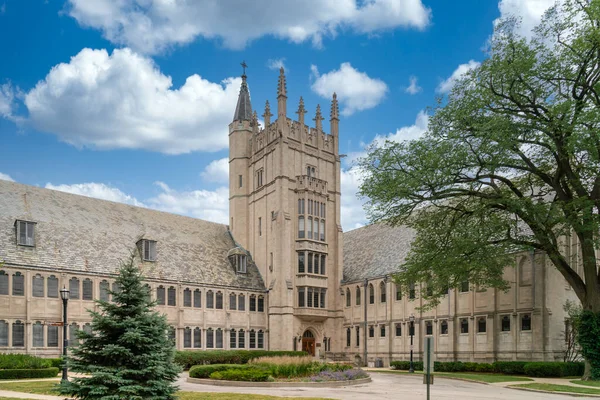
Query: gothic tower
[284, 203]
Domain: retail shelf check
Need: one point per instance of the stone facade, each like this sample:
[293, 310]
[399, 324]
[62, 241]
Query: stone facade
[280, 276]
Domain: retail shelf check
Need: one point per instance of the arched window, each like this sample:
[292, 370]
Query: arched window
[172, 296]
[348, 337]
[232, 301]
[358, 295]
[116, 289]
[160, 295]
[525, 322]
[87, 328]
[464, 325]
[371, 294]
[428, 327]
[197, 338]
[187, 297]
[301, 227]
[241, 339]
[210, 300]
[348, 298]
[444, 327]
[253, 302]
[241, 302]
[261, 340]
[187, 338]
[219, 301]
[18, 334]
[197, 298]
[3, 283]
[88, 290]
[506, 323]
[232, 339]
[3, 333]
[37, 286]
[52, 287]
[382, 292]
[73, 289]
[219, 338]
[252, 339]
[18, 284]
[481, 325]
[38, 334]
[104, 288]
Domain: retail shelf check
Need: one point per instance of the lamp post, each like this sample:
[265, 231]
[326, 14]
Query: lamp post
[64, 295]
[411, 331]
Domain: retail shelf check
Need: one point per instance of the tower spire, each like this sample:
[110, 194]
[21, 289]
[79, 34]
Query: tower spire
[334, 116]
[281, 96]
[243, 110]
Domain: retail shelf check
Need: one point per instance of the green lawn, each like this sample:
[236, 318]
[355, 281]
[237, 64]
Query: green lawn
[46, 388]
[558, 388]
[472, 376]
[13, 398]
[587, 383]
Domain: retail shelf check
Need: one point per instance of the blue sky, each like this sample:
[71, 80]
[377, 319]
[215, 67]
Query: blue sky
[129, 100]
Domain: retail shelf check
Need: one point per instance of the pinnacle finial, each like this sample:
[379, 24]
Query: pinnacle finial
[268, 108]
[335, 109]
[301, 109]
[318, 118]
[267, 115]
[281, 85]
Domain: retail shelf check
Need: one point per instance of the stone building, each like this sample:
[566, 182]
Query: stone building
[280, 276]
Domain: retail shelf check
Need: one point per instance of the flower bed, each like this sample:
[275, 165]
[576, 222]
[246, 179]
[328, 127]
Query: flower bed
[189, 358]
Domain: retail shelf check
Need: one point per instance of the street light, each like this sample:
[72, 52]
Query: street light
[411, 331]
[64, 295]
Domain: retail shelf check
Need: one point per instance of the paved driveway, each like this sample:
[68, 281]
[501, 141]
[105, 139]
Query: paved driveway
[391, 386]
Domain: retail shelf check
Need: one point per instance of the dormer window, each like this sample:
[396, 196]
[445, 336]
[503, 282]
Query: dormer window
[238, 259]
[25, 233]
[240, 263]
[147, 249]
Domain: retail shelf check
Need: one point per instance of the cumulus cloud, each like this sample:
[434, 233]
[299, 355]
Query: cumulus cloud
[122, 100]
[7, 98]
[413, 88]
[6, 177]
[151, 26]
[356, 91]
[352, 211]
[98, 191]
[529, 12]
[217, 171]
[277, 63]
[447, 85]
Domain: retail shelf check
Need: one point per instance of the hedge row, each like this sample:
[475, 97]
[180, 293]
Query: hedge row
[246, 375]
[538, 369]
[204, 371]
[28, 373]
[23, 361]
[187, 359]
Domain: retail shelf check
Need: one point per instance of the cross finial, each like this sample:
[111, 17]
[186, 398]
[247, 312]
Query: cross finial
[244, 66]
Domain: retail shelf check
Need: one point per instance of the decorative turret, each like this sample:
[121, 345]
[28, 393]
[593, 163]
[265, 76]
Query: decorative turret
[267, 115]
[334, 116]
[254, 123]
[301, 111]
[243, 110]
[281, 96]
[318, 119]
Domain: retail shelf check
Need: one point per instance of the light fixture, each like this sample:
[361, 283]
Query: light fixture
[64, 293]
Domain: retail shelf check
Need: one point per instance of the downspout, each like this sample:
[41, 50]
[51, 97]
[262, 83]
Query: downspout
[365, 327]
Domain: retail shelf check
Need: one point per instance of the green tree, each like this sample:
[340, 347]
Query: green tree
[128, 354]
[510, 162]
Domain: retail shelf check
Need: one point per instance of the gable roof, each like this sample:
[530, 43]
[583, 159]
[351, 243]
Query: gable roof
[83, 234]
[375, 251]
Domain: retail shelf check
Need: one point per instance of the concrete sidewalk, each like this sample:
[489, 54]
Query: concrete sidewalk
[20, 395]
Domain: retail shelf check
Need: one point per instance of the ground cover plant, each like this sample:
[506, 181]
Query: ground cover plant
[189, 358]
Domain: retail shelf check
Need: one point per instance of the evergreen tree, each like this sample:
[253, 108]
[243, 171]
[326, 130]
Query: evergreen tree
[128, 354]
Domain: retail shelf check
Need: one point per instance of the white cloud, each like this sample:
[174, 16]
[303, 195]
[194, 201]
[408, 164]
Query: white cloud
[6, 177]
[98, 191]
[7, 98]
[352, 211]
[151, 26]
[529, 12]
[217, 171]
[277, 63]
[413, 88]
[122, 100]
[356, 91]
[447, 85]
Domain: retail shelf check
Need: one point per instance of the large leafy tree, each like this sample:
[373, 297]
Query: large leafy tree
[128, 354]
[510, 162]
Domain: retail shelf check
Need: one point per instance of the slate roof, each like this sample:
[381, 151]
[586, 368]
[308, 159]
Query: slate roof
[375, 251]
[243, 109]
[84, 234]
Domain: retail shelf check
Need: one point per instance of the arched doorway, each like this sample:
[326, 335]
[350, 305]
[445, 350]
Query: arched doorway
[308, 342]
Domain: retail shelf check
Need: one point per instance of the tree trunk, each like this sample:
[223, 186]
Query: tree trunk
[587, 373]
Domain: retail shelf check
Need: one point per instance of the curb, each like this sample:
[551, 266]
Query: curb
[215, 382]
[563, 393]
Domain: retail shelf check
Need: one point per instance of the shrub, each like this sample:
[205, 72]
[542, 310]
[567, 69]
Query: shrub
[28, 373]
[449, 366]
[347, 375]
[190, 358]
[204, 371]
[510, 367]
[23, 361]
[244, 374]
[405, 365]
[484, 367]
[553, 369]
[55, 362]
[287, 366]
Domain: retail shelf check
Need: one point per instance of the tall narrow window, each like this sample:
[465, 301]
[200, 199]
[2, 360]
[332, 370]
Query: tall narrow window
[116, 289]
[411, 291]
[301, 297]
[173, 336]
[464, 325]
[241, 339]
[38, 334]
[87, 328]
[74, 288]
[348, 298]
[316, 228]
[357, 336]
[252, 303]
[323, 297]
[525, 322]
[316, 263]
[444, 327]
[172, 296]
[481, 325]
[371, 294]
[309, 226]
[464, 286]
[301, 227]
[4, 333]
[506, 323]
[371, 331]
[398, 292]
[104, 288]
[382, 292]
[232, 339]
[348, 336]
[18, 334]
[52, 287]
[160, 295]
[210, 338]
[309, 297]
[259, 226]
[322, 230]
[323, 210]
[252, 339]
[37, 286]
[210, 299]
[259, 178]
[316, 298]
[261, 304]
[240, 180]
[241, 303]
[323, 270]
[187, 338]
[428, 328]
[148, 250]
[310, 263]
[310, 207]
[358, 296]
[18, 284]
[301, 268]
[187, 297]
[3, 283]
[197, 298]
[232, 301]
[398, 329]
[25, 233]
[87, 289]
[219, 338]
[261, 339]
[197, 338]
[381, 330]
[52, 336]
[219, 302]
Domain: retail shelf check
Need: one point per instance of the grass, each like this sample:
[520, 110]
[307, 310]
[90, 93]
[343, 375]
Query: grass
[46, 388]
[549, 387]
[473, 376]
[13, 398]
[586, 383]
